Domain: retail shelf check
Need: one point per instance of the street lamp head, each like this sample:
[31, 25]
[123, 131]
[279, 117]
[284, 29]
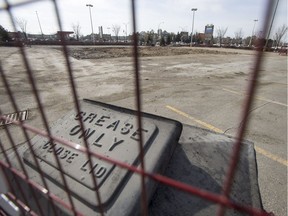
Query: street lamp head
[194, 9]
[89, 5]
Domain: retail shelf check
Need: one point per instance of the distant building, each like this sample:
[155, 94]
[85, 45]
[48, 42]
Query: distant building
[159, 33]
[184, 36]
[209, 30]
[200, 38]
[100, 32]
[14, 35]
[46, 37]
[64, 34]
[32, 37]
[106, 37]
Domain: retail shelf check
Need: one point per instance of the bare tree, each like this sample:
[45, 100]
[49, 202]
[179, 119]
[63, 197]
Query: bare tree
[116, 29]
[22, 24]
[77, 30]
[221, 33]
[4, 36]
[280, 32]
[238, 35]
[149, 37]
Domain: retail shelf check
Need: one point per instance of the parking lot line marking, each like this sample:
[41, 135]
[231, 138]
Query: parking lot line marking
[211, 127]
[257, 97]
[270, 155]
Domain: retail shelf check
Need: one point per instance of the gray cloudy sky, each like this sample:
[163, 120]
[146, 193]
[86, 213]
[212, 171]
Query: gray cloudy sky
[170, 15]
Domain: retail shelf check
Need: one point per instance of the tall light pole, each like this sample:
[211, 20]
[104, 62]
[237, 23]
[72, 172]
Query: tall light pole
[193, 10]
[90, 5]
[250, 43]
[126, 31]
[39, 25]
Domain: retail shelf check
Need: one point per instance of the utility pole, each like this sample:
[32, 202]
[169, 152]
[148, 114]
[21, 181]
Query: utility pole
[90, 5]
[126, 31]
[193, 10]
[250, 43]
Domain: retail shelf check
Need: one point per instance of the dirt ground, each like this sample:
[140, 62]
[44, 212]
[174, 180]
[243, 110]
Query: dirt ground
[208, 85]
[116, 52]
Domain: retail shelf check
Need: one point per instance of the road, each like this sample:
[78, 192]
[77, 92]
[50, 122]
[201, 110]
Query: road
[205, 90]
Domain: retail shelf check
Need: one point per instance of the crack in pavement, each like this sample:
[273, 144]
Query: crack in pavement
[240, 124]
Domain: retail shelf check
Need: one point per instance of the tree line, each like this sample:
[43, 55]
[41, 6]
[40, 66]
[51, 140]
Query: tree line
[166, 38]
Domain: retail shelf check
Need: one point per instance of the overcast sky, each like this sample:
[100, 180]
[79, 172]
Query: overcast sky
[170, 15]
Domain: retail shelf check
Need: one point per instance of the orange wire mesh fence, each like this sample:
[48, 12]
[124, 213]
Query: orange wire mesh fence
[54, 193]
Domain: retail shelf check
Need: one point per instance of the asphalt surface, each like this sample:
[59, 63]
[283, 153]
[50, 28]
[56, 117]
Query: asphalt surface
[200, 89]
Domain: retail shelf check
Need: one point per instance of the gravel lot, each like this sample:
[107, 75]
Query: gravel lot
[207, 84]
